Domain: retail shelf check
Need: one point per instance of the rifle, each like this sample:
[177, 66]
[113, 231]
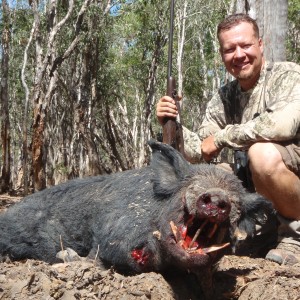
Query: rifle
[172, 129]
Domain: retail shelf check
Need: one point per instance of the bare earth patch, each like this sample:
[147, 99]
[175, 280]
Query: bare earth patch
[6, 201]
[234, 278]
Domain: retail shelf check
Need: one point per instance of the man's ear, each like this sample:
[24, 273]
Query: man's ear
[261, 45]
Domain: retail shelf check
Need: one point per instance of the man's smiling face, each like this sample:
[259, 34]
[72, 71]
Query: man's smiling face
[242, 53]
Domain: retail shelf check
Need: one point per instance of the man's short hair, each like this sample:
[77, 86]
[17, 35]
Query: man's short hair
[234, 20]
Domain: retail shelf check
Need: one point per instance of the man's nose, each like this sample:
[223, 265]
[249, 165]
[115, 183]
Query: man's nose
[239, 52]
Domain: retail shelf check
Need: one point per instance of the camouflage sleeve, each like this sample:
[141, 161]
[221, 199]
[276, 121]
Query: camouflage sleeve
[213, 121]
[279, 122]
[192, 146]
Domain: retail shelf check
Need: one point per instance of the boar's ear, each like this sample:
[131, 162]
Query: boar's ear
[256, 231]
[169, 167]
[256, 210]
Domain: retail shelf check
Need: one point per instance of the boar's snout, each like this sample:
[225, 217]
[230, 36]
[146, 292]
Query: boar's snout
[214, 204]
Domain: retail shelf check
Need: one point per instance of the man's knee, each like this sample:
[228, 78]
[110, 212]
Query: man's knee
[264, 158]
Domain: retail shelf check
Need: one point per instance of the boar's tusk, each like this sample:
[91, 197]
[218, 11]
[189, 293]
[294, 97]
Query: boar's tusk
[213, 231]
[174, 231]
[197, 233]
[215, 247]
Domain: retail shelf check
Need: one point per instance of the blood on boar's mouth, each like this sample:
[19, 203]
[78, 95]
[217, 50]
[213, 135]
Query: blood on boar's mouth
[202, 232]
[198, 237]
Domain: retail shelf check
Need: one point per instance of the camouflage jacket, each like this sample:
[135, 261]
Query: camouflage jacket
[268, 112]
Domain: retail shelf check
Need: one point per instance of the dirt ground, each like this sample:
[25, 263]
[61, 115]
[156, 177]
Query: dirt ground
[234, 278]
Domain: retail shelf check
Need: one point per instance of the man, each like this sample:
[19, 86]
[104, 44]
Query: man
[259, 112]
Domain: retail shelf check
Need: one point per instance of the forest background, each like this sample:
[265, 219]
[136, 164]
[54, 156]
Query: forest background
[80, 79]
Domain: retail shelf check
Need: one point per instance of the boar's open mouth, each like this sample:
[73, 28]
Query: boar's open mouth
[203, 231]
[199, 236]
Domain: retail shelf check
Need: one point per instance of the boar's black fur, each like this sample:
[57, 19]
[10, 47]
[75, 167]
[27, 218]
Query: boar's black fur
[135, 220]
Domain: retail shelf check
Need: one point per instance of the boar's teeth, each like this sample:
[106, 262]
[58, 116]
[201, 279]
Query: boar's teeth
[157, 234]
[174, 230]
[213, 231]
[215, 247]
[191, 250]
[221, 235]
[197, 233]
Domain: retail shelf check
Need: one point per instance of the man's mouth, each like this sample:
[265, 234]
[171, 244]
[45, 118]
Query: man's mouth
[241, 66]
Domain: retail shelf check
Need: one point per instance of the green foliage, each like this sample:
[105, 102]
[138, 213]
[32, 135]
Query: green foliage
[134, 37]
[293, 39]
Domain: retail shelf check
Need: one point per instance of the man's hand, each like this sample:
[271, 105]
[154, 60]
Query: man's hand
[209, 149]
[166, 107]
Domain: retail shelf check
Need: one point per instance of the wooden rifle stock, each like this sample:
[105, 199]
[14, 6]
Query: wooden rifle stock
[172, 130]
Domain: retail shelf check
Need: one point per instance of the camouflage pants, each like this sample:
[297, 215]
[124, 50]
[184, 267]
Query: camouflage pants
[290, 153]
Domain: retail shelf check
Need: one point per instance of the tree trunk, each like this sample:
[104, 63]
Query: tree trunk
[271, 17]
[39, 177]
[272, 20]
[83, 113]
[43, 89]
[5, 124]
[25, 122]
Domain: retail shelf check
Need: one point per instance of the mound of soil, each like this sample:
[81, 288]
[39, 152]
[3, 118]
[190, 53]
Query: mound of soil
[234, 278]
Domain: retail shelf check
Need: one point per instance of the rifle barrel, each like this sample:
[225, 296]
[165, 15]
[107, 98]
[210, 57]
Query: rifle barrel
[170, 52]
[172, 131]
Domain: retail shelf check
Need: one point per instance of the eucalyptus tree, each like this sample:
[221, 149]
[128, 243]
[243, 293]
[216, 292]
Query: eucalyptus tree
[138, 38]
[62, 36]
[17, 31]
[5, 121]
[73, 116]
[199, 64]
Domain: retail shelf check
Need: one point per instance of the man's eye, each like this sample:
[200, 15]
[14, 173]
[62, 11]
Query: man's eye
[247, 46]
[227, 51]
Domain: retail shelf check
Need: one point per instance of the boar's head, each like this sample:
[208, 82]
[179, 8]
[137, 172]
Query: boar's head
[205, 206]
